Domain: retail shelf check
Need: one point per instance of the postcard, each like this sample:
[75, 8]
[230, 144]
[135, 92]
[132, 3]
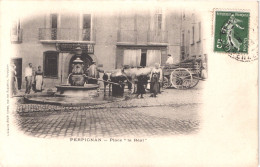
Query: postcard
[129, 83]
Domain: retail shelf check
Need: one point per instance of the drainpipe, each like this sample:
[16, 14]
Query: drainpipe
[135, 28]
[181, 31]
[61, 68]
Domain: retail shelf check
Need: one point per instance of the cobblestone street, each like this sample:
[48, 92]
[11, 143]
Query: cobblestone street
[112, 122]
[172, 112]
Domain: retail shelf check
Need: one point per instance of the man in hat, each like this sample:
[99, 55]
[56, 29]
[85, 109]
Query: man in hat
[169, 60]
[93, 72]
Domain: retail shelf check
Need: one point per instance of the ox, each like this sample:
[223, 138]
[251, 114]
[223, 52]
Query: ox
[120, 76]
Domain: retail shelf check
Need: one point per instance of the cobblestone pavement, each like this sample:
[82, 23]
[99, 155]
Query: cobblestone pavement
[172, 112]
[112, 122]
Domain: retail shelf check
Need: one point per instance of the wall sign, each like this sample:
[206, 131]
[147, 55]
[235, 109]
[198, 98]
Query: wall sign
[68, 47]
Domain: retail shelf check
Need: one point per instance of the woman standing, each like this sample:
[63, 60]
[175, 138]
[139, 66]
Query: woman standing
[38, 79]
[13, 80]
[155, 78]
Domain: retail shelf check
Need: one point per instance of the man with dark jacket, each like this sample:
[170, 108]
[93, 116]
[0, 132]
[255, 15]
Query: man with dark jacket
[93, 73]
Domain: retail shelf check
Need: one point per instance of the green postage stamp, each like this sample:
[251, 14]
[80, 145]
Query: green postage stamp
[231, 32]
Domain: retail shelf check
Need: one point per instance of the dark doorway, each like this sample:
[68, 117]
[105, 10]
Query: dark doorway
[143, 58]
[50, 65]
[85, 58]
[18, 63]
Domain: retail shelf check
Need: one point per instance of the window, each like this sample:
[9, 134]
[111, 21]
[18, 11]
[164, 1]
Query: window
[192, 38]
[15, 27]
[182, 56]
[16, 32]
[187, 43]
[86, 27]
[51, 64]
[199, 26]
[54, 21]
[54, 26]
[182, 41]
[86, 21]
[158, 19]
[157, 33]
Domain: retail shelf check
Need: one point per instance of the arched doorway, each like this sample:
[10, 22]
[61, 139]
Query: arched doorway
[85, 58]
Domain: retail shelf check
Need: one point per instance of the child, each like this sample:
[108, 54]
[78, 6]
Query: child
[154, 84]
[141, 82]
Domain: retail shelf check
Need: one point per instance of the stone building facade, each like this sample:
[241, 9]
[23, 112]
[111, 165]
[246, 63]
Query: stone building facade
[193, 36]
[114, 39]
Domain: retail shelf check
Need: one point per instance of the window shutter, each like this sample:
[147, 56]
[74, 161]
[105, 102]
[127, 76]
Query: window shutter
[153, 56]
[132, 57]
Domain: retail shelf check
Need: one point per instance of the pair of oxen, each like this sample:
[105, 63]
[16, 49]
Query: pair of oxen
[120, 77]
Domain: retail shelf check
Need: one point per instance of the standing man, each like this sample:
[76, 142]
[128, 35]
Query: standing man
[169, 60]
[93, 73]
[28, 78]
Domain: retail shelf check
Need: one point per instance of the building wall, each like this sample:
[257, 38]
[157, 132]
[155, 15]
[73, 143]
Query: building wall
[197, 48]
[31, 50]
[106, 35]
[134, 34]
[106, 38]
[173, 19]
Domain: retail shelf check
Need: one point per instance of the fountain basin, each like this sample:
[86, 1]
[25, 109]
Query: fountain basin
[88, 90]
[53, 99]
[67, 95]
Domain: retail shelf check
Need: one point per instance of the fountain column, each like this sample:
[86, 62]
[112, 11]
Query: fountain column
[77, 77]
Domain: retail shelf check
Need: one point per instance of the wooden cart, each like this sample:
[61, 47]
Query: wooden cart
[184, 75]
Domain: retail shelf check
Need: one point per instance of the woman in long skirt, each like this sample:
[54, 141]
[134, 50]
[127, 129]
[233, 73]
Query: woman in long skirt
[38, 79]
[14, 87]
[155, 78]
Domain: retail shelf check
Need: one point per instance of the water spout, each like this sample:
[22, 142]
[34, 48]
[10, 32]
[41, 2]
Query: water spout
[68, 82]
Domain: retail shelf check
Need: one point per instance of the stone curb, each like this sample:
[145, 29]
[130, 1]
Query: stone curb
[25, 108]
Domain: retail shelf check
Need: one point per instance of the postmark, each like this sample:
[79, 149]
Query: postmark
[231, 34]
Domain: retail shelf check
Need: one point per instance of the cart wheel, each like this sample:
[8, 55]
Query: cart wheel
[165, 83]
[195, 80]
[181, 78]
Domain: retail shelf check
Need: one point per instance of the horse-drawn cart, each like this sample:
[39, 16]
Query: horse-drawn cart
[184, 75]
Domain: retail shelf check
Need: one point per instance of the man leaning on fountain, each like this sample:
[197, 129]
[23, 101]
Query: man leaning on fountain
[93, 73]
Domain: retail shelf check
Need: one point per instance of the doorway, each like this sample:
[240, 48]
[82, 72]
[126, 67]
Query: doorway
[18, 63]
[143, 58]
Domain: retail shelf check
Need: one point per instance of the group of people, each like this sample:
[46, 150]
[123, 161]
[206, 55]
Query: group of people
[33, 79]
[155, 78]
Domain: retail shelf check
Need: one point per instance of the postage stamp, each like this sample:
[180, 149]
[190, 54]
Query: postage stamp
[231, 32]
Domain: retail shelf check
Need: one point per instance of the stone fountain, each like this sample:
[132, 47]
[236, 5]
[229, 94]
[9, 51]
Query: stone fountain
[76, 92]
[77, 81]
